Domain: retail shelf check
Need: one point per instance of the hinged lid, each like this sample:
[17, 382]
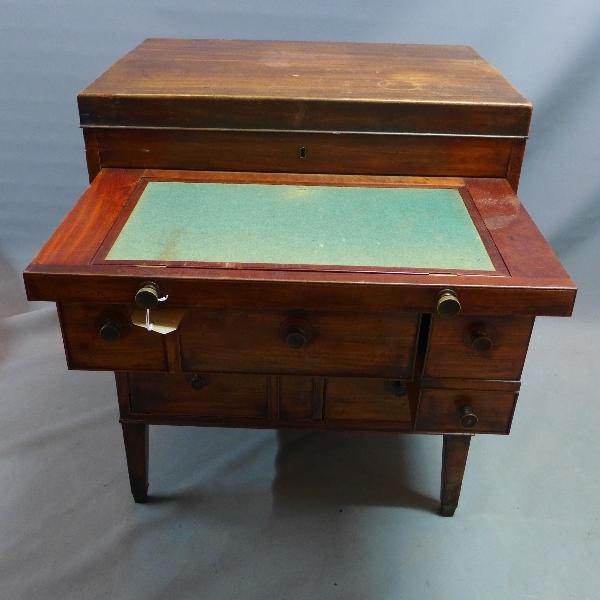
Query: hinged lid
[305, 86]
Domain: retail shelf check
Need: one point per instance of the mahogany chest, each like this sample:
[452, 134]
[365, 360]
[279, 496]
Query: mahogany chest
[301, 234]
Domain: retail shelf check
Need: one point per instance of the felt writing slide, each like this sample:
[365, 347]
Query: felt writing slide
[415, 228]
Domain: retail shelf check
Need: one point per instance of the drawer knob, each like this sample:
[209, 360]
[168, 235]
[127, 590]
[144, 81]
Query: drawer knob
[110, 331]
[480, 337]
[482, 343]
[198, 382]
[295, 337]
[467, 417]
[448, 304]
[148, 296]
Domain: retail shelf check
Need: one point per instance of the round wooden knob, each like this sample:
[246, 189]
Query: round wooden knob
[295, 337]
[448, 304]
[147, 296]
[110, 331]
[198, 382]
[482, 343]
[467, 417]
[480, 336]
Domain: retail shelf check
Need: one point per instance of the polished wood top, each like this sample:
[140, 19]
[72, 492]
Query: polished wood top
[262, 77]
[315, 70]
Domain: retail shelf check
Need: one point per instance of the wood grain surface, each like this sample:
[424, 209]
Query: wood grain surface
[450, 355]
[374, 343]
[305, 85]
[439, 410]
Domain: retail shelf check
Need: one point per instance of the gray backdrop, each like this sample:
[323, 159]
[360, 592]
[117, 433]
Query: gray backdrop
[250, 514]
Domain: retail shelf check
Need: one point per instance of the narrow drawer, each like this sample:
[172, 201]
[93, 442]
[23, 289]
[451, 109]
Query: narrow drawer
[311, 343]
[388, 154]
[478, 347]
[100, 336]
[349, 399]
[464, 411]
[201, 395]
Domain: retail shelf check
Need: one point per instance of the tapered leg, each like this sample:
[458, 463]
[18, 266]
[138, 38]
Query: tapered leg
[135, 436]
[454, 459]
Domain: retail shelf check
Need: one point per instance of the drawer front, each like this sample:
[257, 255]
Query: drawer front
[325, 152]
[464, 411]
[129, 348]
[349, 399]
[220, 395]
[333, 343]
[300, 398]
[478, 347]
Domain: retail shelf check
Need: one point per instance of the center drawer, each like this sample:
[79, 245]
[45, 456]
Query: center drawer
[296, 342]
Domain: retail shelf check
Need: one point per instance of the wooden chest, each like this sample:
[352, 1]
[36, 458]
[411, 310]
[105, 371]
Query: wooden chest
[302, 234]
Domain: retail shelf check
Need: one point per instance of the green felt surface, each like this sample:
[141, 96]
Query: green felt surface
[419, 228]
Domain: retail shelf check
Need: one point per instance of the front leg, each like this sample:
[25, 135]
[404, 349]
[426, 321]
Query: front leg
[135, 436]
[454, 459]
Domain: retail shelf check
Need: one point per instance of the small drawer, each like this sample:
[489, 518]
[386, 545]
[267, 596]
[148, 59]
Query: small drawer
[299, 343]
[349, 399]
[300, 398]
[101, 336]
[221, 395]
[463, 411]
[478, 347]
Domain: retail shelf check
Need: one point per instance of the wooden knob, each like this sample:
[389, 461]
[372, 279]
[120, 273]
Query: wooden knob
[448, 304]
[147, 296]
[482, 343]
[480, 336]
[468, 418]
[295, 337]
[110, 331]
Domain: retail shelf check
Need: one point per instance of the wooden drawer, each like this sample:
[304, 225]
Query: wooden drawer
[335, 343]
[348, 399]
[163, 148]
[444, 410]
[220, 395]
[300, 398]
[134, 349]
[478, 347]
